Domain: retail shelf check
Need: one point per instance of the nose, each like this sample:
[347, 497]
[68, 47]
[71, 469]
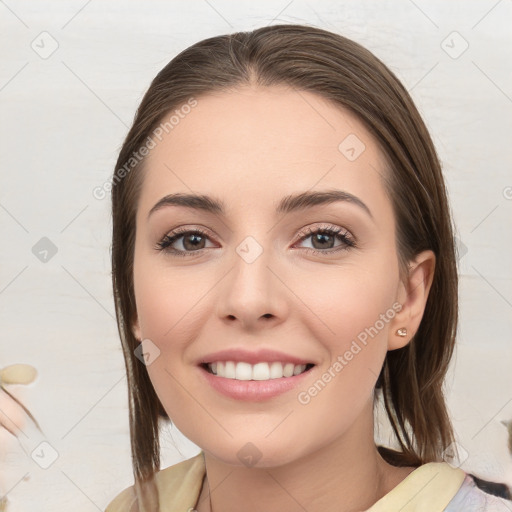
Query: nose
[252, 294]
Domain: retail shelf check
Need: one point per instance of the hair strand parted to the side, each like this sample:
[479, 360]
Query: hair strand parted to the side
[342, 71]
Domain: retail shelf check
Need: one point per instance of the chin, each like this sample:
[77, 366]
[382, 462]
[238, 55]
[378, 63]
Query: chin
[260, 453]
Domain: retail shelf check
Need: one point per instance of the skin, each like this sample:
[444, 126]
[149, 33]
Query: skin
[250, 147]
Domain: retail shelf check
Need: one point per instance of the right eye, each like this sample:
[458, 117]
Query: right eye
[192, 241]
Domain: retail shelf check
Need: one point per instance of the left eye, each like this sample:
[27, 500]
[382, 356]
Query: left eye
[323, 239]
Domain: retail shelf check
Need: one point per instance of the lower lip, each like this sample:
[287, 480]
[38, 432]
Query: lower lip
[253, 390]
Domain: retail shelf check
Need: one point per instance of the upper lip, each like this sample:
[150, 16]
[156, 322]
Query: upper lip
[252, 357]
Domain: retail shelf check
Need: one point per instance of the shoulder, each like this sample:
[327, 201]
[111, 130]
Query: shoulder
[125, 500]
[440, 487]
[471, 498]
[177, 486]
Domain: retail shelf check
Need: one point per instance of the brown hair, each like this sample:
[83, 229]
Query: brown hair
[344, 72]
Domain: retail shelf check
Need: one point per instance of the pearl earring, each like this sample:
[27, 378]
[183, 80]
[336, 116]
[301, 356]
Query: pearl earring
[401, 332]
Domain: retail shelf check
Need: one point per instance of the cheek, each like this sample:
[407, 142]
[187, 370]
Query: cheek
[355, 314]
[167, 302]
[172, 307]
[349, 303]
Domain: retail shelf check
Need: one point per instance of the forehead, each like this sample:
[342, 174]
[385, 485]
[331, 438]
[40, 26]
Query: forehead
[254, 144]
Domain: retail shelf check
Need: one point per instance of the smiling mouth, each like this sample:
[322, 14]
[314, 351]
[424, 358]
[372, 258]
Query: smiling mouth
[259, 371]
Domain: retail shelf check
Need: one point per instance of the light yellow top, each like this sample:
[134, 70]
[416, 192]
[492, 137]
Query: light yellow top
[429, 488]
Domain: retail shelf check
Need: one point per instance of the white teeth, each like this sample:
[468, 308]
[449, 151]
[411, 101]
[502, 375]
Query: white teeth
[298, 369]
[229, 370]
[259, 371]
[276, 370]
[243, 371]
[288, 369]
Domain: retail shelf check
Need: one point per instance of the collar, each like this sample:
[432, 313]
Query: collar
[429, 488]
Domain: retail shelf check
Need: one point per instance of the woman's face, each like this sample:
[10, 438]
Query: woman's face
[251, 282]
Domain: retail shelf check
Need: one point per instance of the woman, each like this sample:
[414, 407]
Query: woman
[283, 259]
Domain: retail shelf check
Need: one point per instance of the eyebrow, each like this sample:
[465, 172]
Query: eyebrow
[288, 204]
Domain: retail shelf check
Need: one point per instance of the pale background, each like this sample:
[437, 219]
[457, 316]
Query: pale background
[64, 117]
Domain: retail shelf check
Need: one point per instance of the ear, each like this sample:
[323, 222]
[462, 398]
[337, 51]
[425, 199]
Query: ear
[136, 330]
[412, 295]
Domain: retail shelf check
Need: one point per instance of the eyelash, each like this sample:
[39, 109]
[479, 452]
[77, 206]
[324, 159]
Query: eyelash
[347, 241]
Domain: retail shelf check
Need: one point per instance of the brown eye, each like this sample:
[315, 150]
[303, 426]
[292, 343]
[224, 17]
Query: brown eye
[323, 240]
[192, 240]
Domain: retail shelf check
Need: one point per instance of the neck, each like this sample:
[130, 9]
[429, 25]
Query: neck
[346, 475]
